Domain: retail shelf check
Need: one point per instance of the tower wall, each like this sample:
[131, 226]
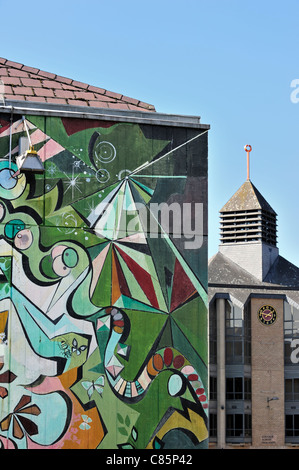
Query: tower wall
[256, 258]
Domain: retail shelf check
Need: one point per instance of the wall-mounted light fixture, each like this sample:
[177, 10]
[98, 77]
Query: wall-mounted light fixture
[270, 399]
[28, 160]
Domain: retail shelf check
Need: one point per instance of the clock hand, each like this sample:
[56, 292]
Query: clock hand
[267, 314]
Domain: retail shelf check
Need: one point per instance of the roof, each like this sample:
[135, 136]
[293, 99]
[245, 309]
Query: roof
[223, 271]
[247, 197]
[23, 83]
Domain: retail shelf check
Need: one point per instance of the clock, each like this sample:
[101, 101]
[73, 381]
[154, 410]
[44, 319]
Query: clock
[267, 315]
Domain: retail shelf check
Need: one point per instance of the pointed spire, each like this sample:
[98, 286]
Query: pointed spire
[248, 149]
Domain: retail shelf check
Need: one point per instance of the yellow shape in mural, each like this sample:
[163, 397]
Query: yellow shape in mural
[177, 421]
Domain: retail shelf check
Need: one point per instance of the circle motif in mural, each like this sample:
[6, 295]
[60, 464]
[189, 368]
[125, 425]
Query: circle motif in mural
[122, 174]
[104, 152]
[267, 315]
[70, 257]
[7, 181]
[102, 175]
[13, 227]
[67, 223]
[23, 239]
[11, 184]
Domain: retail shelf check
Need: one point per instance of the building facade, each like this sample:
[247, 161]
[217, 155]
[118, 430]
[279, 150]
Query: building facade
[103, 304]
[253, 330]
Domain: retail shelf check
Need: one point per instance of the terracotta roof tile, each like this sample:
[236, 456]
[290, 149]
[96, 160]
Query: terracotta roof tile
[31, 82]
[23, 83]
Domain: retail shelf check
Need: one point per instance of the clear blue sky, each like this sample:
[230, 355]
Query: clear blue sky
[229, 61]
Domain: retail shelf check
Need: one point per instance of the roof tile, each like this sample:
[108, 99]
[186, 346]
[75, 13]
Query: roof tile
[64, 79]
[30, 69]
[56, 100]
[113, 95]
[15, 65]
[77, 102]
[84, 95]
[8, 89]
[98, 104]
[80, 84]
[130, 100]
[19, 73]
[31, 82]
[23, 90]
[46, 74]
[102, 98]
[66, 94]
[118, 105]
[52, 84]
[10, 80]
[37, 99]
[96, 89]
[14, 97]
[43, 92]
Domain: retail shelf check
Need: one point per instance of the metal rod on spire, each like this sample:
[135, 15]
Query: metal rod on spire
[248, 149]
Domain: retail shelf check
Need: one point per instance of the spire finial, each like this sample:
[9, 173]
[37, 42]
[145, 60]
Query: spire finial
[248, 149]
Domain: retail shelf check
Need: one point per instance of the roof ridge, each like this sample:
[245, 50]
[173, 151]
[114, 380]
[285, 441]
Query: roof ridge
[262, 201]
[69, 83]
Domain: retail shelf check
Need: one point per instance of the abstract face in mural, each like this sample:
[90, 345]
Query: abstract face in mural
[103, 319]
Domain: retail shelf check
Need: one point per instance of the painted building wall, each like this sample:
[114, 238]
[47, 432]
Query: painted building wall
[103, 313]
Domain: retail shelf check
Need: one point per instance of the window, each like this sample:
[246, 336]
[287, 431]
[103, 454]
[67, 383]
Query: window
[238, 331]
[292, 426]
[238, 426]
[238, 388]
[292, 389]
[213, 333]
[213, 425]
[213, 388]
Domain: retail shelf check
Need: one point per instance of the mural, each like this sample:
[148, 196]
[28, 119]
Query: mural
[103, 312]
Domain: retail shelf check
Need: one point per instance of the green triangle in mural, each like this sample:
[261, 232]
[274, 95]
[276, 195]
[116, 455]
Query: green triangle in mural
[5, 266]
[88, 205]
[192, 320]
[180, 342]
[145, 188]
[164, 262]
[130, 303]
[166, 337]
[188, 336]
[128, 199]
[144, 194]
[148, 326]
[102, 293]
[135, 289]
[146, 263]
[64, 218]
[95, 250]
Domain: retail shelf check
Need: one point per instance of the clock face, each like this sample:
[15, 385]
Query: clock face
[267, 315]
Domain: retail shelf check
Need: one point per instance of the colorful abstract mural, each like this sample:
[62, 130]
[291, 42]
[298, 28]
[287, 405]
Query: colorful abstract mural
[103, 311]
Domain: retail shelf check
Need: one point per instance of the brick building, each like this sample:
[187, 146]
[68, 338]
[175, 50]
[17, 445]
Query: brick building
[254, 315]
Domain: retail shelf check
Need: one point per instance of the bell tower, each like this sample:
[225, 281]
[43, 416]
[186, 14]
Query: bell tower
[248, 229]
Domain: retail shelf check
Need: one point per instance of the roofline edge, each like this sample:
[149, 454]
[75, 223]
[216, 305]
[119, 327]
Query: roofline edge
[87, 112]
